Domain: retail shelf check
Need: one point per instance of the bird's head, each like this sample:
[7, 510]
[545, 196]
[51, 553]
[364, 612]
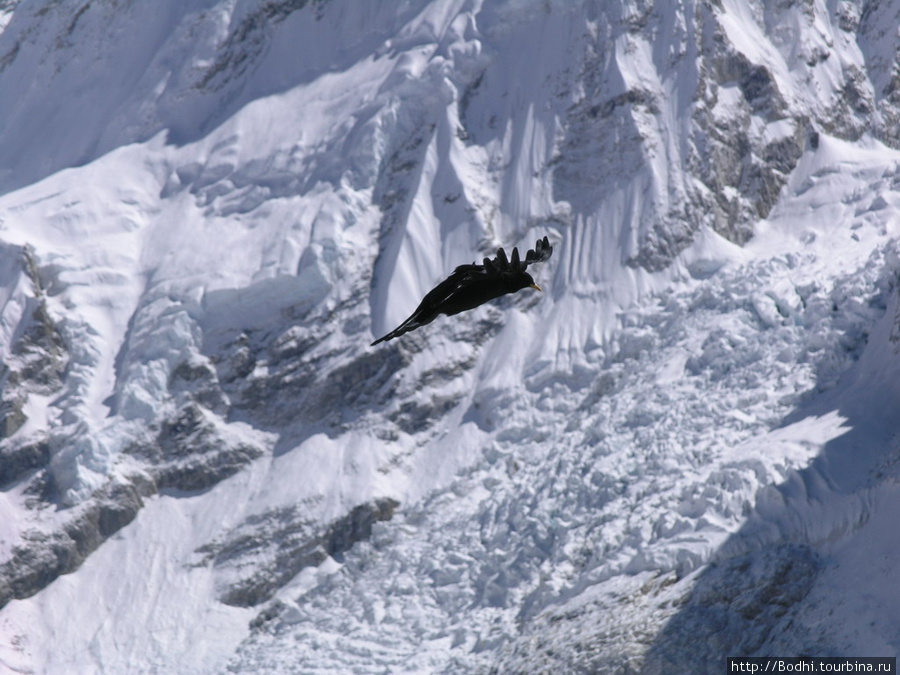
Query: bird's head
[515, 266]
[524, 280]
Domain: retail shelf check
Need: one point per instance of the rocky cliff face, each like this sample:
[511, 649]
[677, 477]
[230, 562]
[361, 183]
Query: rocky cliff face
[209, 208]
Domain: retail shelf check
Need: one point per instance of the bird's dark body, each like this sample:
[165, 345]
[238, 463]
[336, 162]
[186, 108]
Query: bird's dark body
[472, 285]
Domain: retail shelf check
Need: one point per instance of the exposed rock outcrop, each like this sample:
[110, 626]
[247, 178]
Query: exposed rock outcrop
[281, 543]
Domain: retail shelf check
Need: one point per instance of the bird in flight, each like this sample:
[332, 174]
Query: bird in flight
[472, 285]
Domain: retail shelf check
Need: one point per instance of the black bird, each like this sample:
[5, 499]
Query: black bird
[473, 285]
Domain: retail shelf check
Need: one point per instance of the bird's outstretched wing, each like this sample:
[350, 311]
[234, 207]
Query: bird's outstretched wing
[430, 307]
[502, 264]
[542, 251]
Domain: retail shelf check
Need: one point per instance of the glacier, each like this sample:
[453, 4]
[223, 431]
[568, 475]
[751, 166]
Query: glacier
[685, 448]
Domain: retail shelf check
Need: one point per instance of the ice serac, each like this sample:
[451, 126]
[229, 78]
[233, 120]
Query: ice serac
[208, 209]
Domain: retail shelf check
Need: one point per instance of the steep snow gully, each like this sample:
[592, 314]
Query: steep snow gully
[687, 447]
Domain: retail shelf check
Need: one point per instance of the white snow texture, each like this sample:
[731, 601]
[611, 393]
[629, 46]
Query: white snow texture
[686, 448]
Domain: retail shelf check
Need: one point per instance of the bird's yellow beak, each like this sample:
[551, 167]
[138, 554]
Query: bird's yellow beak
[536, 287]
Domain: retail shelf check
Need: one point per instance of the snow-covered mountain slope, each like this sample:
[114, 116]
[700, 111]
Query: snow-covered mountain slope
[685, 448]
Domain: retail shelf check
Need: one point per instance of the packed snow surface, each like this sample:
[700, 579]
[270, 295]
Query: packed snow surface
[686, 447]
